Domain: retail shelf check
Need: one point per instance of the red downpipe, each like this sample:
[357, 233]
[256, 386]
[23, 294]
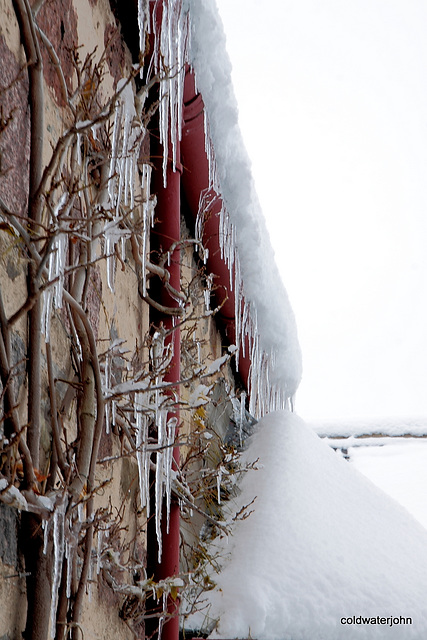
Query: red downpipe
[168, 231]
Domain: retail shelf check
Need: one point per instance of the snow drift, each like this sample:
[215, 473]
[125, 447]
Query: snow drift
[322, 544]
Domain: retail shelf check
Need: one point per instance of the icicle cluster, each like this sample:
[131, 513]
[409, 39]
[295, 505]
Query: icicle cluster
[52, 296]
[65, 528]
[169, 59]
[161, 355]
[148, 208]
[125, 145]
[57, 522]
[172, 49]
[152, 406]
[118, 196]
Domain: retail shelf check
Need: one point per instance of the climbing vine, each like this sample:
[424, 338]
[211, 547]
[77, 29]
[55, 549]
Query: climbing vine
[79, 403]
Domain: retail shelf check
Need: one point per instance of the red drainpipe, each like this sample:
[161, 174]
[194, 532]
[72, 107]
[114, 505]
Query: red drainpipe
[167, 231]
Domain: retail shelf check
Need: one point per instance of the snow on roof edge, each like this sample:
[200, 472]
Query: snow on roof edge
[388, 426]
[262, 284]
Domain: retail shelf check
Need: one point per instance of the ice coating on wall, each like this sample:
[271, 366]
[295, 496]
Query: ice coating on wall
[263, 314]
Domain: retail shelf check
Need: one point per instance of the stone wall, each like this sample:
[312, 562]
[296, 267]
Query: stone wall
[85, 56]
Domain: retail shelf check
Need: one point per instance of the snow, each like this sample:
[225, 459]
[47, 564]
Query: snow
[271, 316]
[323, 543]
[12, 496]
[392, 426]
[398, 467]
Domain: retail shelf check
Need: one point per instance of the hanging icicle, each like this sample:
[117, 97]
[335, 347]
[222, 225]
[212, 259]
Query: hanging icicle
[58, 557]
[52, 296]
[125, 146]
[143, 456]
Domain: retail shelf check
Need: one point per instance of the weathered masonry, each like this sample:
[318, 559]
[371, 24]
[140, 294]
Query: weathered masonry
[136, 337]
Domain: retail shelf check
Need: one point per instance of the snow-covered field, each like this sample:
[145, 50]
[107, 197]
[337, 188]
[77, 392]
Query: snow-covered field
[323, 549]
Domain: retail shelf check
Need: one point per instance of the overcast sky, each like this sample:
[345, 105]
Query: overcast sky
[333, 108]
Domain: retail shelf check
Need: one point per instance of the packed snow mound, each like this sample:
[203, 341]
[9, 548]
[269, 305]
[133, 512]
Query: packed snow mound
[323, 544]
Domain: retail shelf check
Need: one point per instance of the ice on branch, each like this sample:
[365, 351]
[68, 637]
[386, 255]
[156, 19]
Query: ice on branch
[125, 145]
[52, 296]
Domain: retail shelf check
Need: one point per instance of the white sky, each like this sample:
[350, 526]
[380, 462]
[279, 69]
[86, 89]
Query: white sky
[333, 108]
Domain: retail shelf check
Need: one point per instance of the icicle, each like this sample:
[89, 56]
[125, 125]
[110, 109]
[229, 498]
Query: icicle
[132, 161]
[128, 115]
[114, 145]
[56, 272]
[70, 548]
[79, 149]
[106, 390]
[147, 220]
[161, 418]
[242, 415]
[171, 55]
[69, 574]
[210, 154]
[207, 292]
[158, 500]
[45, 526]
[58, 556]
[198, 227]
[142, 455]
[253, 376]
[237, 310]
[100, 537]
[112, 234]
[145, 212]
[124, 153]
[143, 25]
[46, 313]
[218, 484]
[160, 629]
[232, 255]
[167, 461]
